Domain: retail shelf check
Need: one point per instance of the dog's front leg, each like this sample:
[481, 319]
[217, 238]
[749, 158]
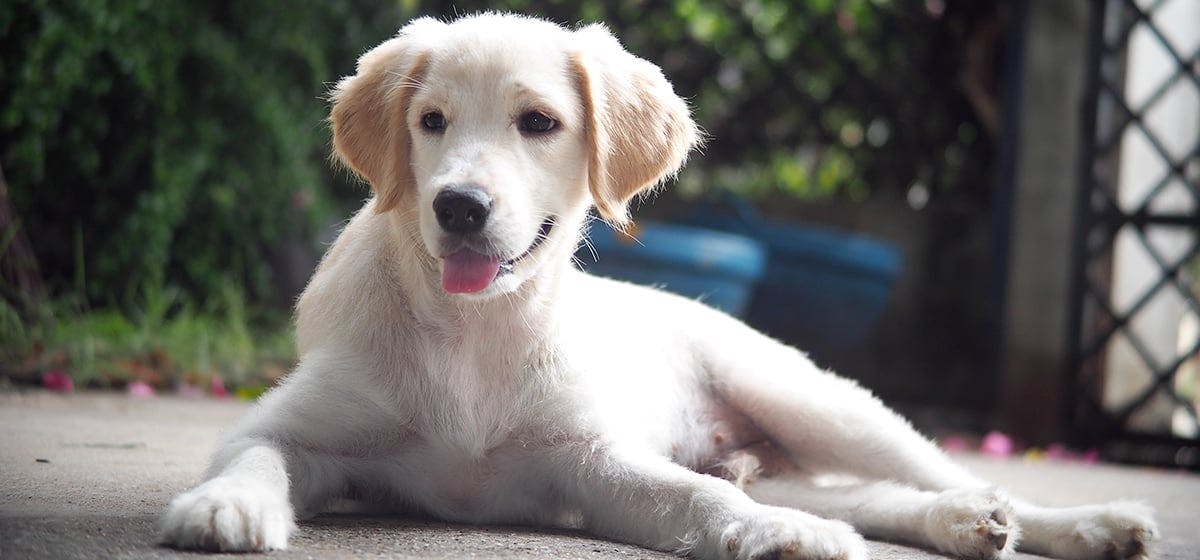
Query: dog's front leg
[243, 508]
[639, 497]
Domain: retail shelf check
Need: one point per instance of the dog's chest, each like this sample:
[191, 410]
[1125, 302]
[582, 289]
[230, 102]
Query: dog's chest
[480, 470]
[472, 385]
[474, 413]
[467, 403]
[453, 483]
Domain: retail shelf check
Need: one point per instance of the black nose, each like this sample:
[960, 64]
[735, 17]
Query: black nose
[462, 209]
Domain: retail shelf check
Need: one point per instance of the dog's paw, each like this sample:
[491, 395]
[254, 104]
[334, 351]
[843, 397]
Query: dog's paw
[1119, 530]
[786, 534]
[228, 515]
[972, 523]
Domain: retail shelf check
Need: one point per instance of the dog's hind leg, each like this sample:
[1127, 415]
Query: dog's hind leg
[824, 422]
[1122, 529]
[967, 523]
[636, 496]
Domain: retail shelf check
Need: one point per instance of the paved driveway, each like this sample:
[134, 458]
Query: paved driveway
[85, 476]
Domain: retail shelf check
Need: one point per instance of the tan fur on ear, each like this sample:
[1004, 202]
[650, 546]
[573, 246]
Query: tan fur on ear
[370, 133]
[639, 130]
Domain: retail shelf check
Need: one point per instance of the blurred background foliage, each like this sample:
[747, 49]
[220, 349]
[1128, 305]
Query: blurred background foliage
[168, 160]
[171, 143]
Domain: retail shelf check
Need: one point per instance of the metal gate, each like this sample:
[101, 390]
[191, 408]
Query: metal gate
[1135, 316]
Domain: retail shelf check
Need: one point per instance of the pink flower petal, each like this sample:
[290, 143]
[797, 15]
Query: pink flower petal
[217, 387]
[996, 444]
[56, 380]
[140, 389]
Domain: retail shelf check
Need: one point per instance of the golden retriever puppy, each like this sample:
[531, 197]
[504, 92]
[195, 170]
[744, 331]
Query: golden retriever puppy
[454, 363]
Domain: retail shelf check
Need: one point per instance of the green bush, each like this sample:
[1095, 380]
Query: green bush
[161, 340]
[157, 153]
[152, 144]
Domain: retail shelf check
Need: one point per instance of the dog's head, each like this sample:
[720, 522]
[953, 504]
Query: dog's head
[496, 133]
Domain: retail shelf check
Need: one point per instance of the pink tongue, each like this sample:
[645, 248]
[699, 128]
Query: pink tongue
[467, 272]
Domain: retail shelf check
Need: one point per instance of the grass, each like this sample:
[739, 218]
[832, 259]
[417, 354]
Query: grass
[160, 341]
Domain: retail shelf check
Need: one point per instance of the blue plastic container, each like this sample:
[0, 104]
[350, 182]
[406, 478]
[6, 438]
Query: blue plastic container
[716, 267]
[824, 290]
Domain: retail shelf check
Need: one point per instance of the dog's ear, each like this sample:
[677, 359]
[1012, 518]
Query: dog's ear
[640, 132]
[368, 117]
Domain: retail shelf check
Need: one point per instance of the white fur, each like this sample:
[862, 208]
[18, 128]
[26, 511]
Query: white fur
[553, 397]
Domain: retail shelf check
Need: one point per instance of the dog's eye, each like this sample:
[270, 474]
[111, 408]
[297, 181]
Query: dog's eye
[433, 121]
[534, 122]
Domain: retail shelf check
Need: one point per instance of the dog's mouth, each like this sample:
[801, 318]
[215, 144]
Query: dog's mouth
[467, 271]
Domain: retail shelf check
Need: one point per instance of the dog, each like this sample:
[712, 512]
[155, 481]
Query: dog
[453, 362]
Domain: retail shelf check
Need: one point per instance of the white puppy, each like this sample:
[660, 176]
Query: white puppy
[453, 362]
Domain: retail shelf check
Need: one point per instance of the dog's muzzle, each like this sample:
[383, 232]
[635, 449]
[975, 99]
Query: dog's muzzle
[468, 271]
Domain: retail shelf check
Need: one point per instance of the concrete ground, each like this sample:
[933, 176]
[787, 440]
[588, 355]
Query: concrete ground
[85, 476]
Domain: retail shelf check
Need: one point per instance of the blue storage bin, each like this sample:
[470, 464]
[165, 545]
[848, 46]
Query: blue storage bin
[716, 267]
[823, 290]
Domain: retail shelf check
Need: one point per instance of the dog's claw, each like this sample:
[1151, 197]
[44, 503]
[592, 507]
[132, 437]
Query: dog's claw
[997, 536]
[998, 540]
